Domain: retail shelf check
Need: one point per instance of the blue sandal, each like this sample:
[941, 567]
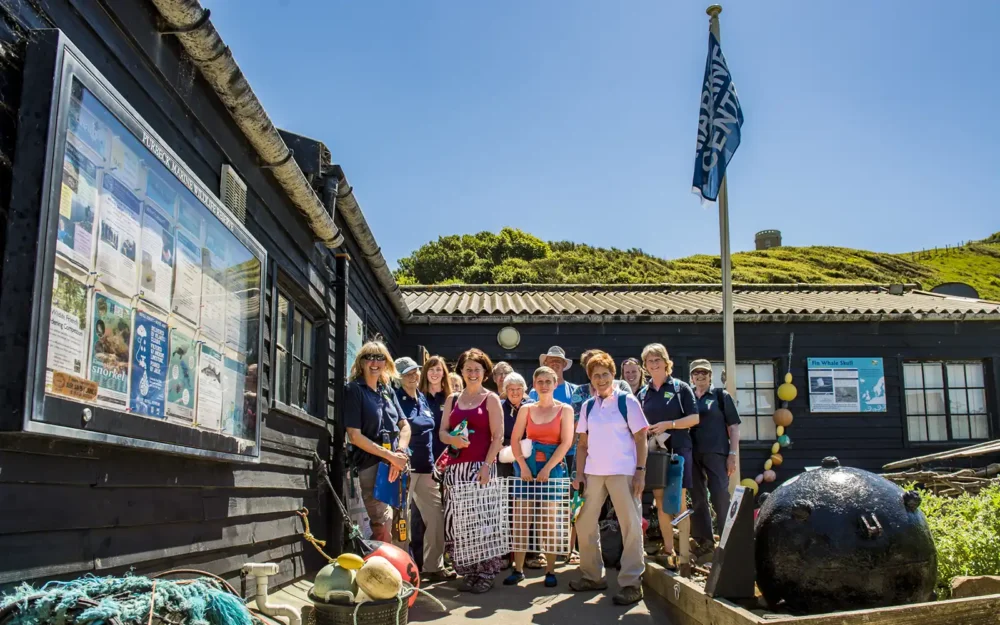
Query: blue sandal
[514, 578]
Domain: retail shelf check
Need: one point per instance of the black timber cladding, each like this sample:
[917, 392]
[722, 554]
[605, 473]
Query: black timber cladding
[73, 508]
[867, 441]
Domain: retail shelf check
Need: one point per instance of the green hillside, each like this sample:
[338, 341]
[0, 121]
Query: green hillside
[516, 257]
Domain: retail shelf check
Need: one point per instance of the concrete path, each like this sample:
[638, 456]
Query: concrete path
[532, 602]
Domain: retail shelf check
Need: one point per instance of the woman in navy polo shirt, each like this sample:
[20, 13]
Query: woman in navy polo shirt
[377, 430]
[670, 408]
[424, 492]
[435, 384]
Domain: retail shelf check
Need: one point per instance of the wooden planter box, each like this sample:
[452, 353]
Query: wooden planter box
[689, 604]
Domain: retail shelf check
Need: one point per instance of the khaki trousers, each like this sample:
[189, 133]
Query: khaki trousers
[425, 494]
[619, 488]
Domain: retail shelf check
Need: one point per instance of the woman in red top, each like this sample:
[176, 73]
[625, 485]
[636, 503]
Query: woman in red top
[548, 424]
[477, 454]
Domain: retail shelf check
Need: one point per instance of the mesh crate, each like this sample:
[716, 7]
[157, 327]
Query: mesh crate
[384, 612]
[540, 515]
[480, 521]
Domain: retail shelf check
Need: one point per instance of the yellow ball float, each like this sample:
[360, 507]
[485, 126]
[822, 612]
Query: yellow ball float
[750, 484]
[780, 430]
[767, 465]
[775, 448]
[787, 391]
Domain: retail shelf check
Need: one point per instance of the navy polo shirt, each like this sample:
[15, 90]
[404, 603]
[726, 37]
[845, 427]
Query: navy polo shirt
[436, 403]
[422, 431]
[673, 400]
[711, 435]
[374, 413]
[510, 417]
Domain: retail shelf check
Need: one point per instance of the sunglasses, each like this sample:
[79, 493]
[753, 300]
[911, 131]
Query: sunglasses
[374, 357]
[701, 373]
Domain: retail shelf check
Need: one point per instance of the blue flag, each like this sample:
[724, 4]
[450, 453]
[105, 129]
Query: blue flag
[719, 123]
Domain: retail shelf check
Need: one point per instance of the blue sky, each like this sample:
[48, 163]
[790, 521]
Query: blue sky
[576, 120]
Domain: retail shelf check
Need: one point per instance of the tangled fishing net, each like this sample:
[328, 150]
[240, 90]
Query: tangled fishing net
[129, 600]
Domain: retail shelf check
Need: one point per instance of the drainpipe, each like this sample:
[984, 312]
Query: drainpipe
[261, 572]
[188, 20]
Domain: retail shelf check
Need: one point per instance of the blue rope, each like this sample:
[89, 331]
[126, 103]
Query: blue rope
[197, 602]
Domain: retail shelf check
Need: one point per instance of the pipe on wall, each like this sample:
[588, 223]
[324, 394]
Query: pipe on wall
[188, 21]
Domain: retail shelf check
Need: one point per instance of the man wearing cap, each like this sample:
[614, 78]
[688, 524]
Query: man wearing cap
[423, 492]
[716, 444]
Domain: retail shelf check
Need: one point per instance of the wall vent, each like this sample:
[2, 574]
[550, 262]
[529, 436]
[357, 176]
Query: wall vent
[233, 193]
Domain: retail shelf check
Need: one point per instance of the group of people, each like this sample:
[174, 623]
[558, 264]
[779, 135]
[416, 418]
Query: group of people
[403, 415]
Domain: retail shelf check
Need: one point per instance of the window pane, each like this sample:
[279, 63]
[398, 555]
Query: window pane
[932, 375]
[744, 376]
[294, 384]
[765, 429]
[916, 428]
[937, 429]
[980, 429]
[307, 342]
[765, 402]
[748, 429]
[974, 374]
[915, 403]
[977, 401]
[745, 402]
[281, 336]
[297, 334]
[956, 374]
[281, 377]
[959, 405]
[960, 427]
[934, 400]
[304, 380]
[765, 375]
[912, 377]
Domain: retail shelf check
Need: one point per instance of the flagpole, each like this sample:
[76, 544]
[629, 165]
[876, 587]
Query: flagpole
[729, 325]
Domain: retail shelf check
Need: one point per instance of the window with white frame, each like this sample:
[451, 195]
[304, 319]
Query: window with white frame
[293, 343]
[755, 398]
[945, 401]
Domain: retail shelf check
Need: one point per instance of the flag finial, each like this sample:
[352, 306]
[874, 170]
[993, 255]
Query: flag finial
[714, 10]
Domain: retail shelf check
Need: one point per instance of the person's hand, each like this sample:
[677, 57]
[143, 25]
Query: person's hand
[543, 475]
[638, 483]
[398, 460]
[659, 428]
[731, 465]
[580, 482]
[484, 475]
[458, 442]
[526, 475]
[394, 474]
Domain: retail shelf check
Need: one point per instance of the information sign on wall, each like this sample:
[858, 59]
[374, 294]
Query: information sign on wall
[846, 385]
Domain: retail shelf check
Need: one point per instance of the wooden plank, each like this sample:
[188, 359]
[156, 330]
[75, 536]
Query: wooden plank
[690, 602]
[973, 611]
[28, 468]
[270, 479]
[273, 458]
[30, 556]
[230, 507]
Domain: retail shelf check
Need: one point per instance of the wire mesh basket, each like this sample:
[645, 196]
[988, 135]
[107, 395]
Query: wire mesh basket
[481, 522]
[541, 515]
[382, 612]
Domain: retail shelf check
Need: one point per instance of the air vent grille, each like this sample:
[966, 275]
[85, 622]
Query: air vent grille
[233, 192]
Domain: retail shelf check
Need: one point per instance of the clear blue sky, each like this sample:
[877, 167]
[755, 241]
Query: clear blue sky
[576, 120]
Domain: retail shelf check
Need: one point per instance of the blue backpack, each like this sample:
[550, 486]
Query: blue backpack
[622, 406]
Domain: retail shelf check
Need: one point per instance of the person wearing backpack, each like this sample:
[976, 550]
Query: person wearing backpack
[611, 462]
[670, 406]
[716, 445]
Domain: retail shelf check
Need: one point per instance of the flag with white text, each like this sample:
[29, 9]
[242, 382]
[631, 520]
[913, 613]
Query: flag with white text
[719, 123]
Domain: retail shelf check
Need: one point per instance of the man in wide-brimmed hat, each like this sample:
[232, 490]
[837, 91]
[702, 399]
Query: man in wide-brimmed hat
[556, 360]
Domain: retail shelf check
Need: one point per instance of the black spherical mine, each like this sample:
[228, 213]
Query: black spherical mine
[839, 538]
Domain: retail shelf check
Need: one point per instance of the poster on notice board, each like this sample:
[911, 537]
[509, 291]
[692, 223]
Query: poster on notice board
[109, 352]
[846, 385]
[149, 365]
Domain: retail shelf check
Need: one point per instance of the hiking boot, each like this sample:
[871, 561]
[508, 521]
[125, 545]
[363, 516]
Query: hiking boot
[628, 595]
[587, 585]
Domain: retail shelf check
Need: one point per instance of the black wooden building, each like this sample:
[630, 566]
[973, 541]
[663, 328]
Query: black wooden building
[924, 340]
[86, 487]
[71, 507]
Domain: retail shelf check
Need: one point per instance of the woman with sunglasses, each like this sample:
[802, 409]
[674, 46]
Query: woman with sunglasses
[377, 430]
[477, 455]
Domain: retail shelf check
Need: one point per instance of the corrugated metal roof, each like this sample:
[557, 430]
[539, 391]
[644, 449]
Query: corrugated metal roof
[687, 300]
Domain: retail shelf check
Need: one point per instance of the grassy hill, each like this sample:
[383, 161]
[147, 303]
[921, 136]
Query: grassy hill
[513, 257]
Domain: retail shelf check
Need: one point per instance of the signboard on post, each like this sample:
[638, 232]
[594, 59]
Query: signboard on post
[144, 285]
[846, 385]
[355, 337]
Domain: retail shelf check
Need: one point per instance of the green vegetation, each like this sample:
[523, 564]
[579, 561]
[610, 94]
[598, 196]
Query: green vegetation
[516, 257]
[966, 531]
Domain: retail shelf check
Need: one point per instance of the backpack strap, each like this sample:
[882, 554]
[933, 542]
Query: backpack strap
[623, 406]
[641, 395]
[588, 406]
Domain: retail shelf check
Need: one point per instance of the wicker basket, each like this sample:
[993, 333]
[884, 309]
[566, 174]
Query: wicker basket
[383, 612]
